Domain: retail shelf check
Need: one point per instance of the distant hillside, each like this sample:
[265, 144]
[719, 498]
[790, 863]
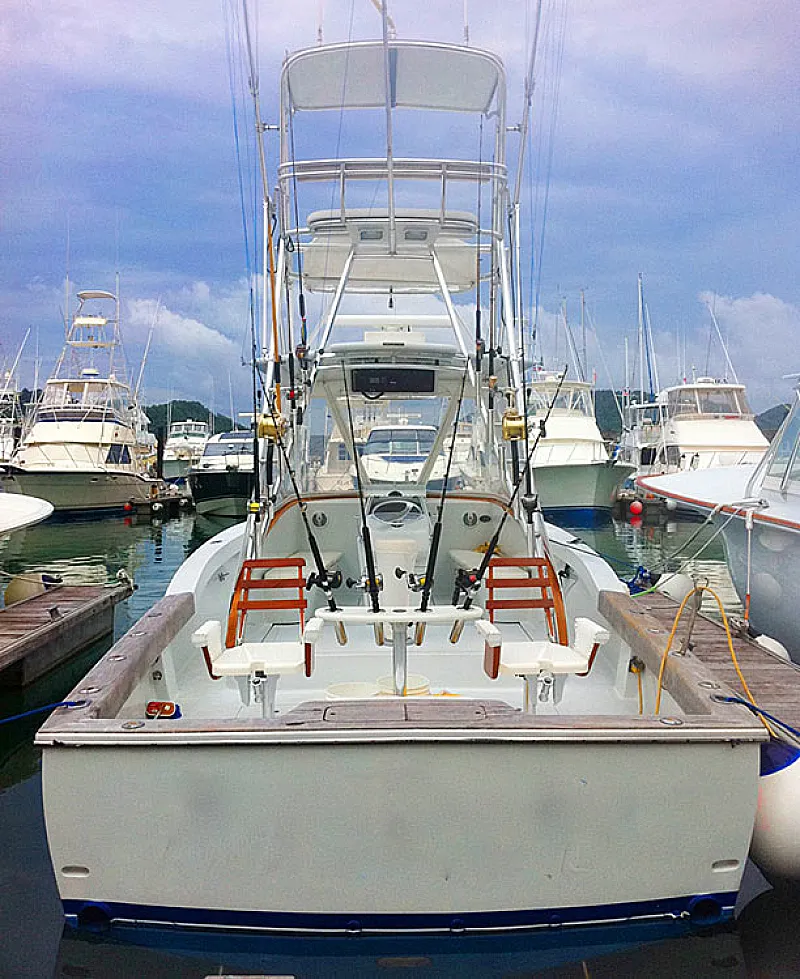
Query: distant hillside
[182, 410]
[770, 421]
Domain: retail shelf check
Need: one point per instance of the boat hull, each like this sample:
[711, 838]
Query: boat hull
[427, 834]
[82, 492]
[224, 493]
[579, 489]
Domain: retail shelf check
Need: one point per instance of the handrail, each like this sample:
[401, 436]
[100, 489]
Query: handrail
[371, 169]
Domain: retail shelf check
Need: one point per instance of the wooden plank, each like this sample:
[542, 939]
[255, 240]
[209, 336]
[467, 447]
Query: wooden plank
[34, 641]
[773, 682]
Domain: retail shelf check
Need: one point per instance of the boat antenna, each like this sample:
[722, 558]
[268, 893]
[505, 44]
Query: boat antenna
[433, 552]
[322, 580]
[724, 345]
[146, 350]
[470, 581]
[369, 555]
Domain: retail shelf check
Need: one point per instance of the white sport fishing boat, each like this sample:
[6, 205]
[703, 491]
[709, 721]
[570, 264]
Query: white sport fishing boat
[391, 709]
[576, 477]
[183, 447]
[81, 446]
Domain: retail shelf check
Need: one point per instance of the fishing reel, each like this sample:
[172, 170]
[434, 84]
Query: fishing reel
[315, 580]
[364, 584]
[416, 582]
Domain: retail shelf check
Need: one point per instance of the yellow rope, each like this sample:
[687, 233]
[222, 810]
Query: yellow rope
[697, 590]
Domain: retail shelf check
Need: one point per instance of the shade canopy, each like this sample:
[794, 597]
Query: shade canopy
[422, 75]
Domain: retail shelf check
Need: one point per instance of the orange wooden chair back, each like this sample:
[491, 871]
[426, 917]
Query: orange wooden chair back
[250, 593]
[541, 579]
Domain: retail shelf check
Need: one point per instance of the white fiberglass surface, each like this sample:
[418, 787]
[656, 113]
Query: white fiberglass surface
[438, 669]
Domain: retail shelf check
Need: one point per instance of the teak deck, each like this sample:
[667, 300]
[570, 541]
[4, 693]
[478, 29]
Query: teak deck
[40, 632]
[773, 681]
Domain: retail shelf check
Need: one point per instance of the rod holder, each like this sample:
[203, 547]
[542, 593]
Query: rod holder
[377, 628]
[341, 633]
[455, 632]
[419, 633]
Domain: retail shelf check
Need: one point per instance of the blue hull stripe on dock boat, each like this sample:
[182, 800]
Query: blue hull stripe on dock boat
[700, 909]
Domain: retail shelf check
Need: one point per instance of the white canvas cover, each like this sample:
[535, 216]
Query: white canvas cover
[422, 76]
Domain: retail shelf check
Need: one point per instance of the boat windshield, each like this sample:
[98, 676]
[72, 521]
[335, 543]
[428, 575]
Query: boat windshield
[399, 442]
[712, 400]
[781, 466]
[239, 446]
[571, 400]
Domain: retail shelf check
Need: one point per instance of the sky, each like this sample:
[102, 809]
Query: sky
[666, 144]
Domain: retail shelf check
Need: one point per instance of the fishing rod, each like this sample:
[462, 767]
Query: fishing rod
[321, 579]
[369, 555]
[433, 552]
[470, 581]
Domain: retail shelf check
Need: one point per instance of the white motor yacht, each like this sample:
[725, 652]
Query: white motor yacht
[385, 708]
[222, 479]
[697, 425]
[80, 449]
[183, 447]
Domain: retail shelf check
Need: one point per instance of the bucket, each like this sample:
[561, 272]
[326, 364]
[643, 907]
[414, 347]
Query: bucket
[417, 685]
[351, 691]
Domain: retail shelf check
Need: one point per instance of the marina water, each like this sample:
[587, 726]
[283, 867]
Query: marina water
[763, 942]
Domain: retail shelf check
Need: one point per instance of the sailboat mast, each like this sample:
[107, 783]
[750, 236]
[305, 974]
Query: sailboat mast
[641, 342]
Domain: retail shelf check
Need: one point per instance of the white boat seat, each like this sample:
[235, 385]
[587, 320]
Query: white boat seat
[541, 661]
[254, 662]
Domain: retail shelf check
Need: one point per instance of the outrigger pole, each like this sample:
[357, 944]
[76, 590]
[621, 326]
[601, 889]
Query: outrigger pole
[267, 207]
[470, 581]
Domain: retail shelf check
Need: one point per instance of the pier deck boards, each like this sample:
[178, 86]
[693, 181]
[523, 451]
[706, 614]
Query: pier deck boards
[773, 682]
[40, 632]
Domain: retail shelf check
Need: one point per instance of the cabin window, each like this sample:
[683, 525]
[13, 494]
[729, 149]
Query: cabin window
[118, 454]
[371, 234]
[673, 455]
[782, 452]
[648, 455]
[416, 234]
[343, 455]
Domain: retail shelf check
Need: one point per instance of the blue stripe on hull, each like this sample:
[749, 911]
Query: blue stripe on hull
[701, 910]
[566, 516]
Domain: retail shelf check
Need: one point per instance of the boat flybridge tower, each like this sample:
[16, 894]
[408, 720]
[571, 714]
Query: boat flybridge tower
[367, 240]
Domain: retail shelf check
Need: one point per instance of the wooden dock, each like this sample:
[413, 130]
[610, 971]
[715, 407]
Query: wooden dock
[773, 681]
[41, 632]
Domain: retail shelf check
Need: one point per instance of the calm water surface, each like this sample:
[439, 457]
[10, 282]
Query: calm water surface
[765, 941]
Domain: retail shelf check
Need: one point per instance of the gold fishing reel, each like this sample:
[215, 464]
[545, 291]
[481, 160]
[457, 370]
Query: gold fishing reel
[272, 427]
[513, 425]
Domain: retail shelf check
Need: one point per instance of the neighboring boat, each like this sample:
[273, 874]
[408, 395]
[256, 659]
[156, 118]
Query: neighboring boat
[386, 709]
[576, 478]
[18, 511]
[697, 425]
[222, 480]
[183, 447]
[10, 417]
[80, 447]
[758, 509]
[396, 453]
[11, 411]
